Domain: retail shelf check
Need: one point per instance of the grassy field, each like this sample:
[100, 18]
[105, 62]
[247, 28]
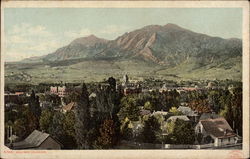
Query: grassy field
[97, 71]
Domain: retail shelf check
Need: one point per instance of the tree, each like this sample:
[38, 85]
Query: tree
[34, 105]
[182, 133]
[19, 127]
[108, 136]
[148, 106]
[56, 128]
[200, 106]
[175, 111]
[112, 83]
[82, 117]
[232, 108]
[31, 122]
[46, 119]
[214, 100]
[128, 109]
[69, 131]
[126, 132]
[150, 129]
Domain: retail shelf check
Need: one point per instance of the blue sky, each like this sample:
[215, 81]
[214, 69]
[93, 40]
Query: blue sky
[39, 31]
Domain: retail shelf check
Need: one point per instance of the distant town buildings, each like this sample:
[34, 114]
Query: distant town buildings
[130, 87]
[61, 91]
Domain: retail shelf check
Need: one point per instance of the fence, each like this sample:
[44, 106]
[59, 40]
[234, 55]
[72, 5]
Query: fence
[136, 145]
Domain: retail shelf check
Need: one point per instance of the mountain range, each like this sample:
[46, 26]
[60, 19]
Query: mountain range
[167, 51]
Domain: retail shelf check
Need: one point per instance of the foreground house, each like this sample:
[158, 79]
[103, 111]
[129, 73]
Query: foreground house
[216, 131]
[37, 140]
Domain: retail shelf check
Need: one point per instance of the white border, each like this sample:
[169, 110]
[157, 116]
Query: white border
[227, 154]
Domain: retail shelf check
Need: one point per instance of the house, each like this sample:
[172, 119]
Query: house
[45, 104]
[163, 88]
[205, 116]
[163, 113]
[69, 107]
[131, 90]
[180, 117]
[136, 127]
[216, 131]
[19, 93]
[192, 115]
[13, 138]
[37, 140]
[92, 95]
[144, 112]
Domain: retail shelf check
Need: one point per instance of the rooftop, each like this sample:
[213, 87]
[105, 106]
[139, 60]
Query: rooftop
[181, 117]
[218, 127]
[69, 106]
[35, 139]
[187, 111]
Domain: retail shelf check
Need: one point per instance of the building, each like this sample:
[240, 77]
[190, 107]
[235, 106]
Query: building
[163, 88]
[144, 112]
[162, 113]
[131, 90]
[61, 91]
[45, 104]
[69, 107]
[125, 81]
[37, 140]
[179, 117]
[205, 116]
[130, 87]
[216, 131]
[192, 115]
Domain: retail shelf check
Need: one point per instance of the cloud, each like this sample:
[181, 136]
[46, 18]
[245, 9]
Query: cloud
[26, 40]
[17, 39]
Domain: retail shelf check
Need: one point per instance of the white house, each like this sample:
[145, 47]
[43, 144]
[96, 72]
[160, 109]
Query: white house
[216, 131]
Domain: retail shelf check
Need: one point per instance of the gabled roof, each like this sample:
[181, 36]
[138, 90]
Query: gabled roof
[218, 127]
[160, 113]
[181, 117]
[205, 116]
[35, 139]
[69, 106]
[144, 112]
[187, 111]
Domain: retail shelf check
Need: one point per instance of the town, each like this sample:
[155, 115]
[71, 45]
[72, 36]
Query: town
[124, 114]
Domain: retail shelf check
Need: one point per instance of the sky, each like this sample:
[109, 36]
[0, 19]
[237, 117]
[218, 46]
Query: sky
[39, 31]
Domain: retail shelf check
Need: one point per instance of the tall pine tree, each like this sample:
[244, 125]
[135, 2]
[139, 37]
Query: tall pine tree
[82, 117]
[34, 105]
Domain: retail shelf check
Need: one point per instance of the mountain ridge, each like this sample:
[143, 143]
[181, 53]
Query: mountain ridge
[167, 51]
[141, 42]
